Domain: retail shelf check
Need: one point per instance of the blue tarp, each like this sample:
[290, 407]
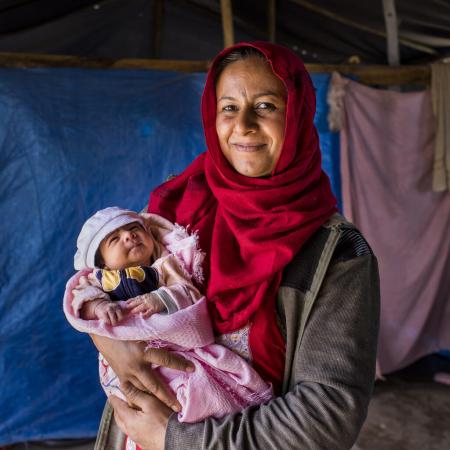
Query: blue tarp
[73, 141]
[329, 142]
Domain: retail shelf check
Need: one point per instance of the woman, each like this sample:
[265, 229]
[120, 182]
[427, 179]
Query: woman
[293, 283]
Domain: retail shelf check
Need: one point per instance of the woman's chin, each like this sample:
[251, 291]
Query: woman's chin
[252, 171]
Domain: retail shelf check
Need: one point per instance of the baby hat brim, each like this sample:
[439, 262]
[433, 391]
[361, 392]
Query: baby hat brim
[96, 228]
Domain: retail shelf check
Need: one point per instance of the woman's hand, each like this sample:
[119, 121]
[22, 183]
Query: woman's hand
[133, 366]
[146, 426]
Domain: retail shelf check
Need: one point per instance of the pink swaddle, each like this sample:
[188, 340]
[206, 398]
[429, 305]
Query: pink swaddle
[222, 383]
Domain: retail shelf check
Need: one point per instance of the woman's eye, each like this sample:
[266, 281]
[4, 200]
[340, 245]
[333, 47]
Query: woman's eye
[229, 108]
[265, 106]
[114, 239]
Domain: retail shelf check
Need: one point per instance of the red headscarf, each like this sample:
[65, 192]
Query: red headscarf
[251, 228]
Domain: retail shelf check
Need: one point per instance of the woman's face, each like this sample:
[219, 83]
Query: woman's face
[251, 108]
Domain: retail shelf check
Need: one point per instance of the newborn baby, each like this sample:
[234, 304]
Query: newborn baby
[129, 266]
[150, 263]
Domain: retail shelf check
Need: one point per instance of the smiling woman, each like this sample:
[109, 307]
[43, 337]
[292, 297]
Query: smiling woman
[251, 109]
[291, 285]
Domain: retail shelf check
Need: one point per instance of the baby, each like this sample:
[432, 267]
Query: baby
[129, 265]
[135, 283]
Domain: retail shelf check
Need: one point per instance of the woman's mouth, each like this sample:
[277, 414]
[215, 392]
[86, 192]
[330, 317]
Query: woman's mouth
[247, 148]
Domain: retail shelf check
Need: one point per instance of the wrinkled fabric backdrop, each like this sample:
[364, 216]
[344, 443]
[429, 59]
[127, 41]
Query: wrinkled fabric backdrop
[73, 141]
[387, 154]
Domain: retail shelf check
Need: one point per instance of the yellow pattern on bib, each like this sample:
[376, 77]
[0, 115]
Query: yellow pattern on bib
[110, 280]
[135, 273]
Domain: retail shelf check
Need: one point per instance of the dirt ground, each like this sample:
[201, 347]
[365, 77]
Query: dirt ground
[408, 411]
[407, 415]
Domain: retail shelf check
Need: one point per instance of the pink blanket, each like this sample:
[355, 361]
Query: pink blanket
[386, 163]
[222, 382]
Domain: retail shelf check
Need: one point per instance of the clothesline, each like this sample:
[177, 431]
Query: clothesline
[367, 74]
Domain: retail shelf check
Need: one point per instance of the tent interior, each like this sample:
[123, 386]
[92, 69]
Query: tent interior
[322, 31]
[100, 103]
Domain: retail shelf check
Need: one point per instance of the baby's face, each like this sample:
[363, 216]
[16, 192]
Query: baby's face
[127, 246]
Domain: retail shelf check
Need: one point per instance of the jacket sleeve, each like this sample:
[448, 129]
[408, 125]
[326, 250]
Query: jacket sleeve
[331, 380]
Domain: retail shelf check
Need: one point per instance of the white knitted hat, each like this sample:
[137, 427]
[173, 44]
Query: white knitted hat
[95, 229]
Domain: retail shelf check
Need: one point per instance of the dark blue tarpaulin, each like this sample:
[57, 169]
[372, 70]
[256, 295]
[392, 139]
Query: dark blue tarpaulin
[73, 141]
[329, 142]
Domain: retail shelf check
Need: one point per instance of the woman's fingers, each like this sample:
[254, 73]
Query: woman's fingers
[146, 425]
[131, 363]
[137, 383]
[129, 401]
[162, 357]
[135, 396]
[123, 414]
[153, 384]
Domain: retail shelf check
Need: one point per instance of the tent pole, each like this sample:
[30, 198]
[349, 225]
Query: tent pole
[158, 18]
[272, 19]
[227, 22]
[390, 19]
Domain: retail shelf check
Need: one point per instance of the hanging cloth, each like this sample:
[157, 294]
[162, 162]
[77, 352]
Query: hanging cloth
[387, 143]
[440, 97]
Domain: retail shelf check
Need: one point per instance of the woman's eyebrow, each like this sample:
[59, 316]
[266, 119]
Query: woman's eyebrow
[225, 97]
[260, 94]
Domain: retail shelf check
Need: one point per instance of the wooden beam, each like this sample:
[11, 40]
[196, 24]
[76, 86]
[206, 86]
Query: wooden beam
[344, 20]
[227, 22]
[368, 74]
[272, 19]
[157, 28]
[390, 20]
[29, 60]
[163, 64]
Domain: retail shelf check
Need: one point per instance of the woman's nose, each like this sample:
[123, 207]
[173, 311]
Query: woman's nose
[246, 121]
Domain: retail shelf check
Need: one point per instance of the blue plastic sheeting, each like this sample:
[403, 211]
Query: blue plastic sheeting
[329, 142]
[71, 142]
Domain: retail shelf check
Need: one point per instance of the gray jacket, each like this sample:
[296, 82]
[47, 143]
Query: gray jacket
[328, 306]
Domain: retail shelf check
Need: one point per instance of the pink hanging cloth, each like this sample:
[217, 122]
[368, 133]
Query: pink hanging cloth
[387, 143]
